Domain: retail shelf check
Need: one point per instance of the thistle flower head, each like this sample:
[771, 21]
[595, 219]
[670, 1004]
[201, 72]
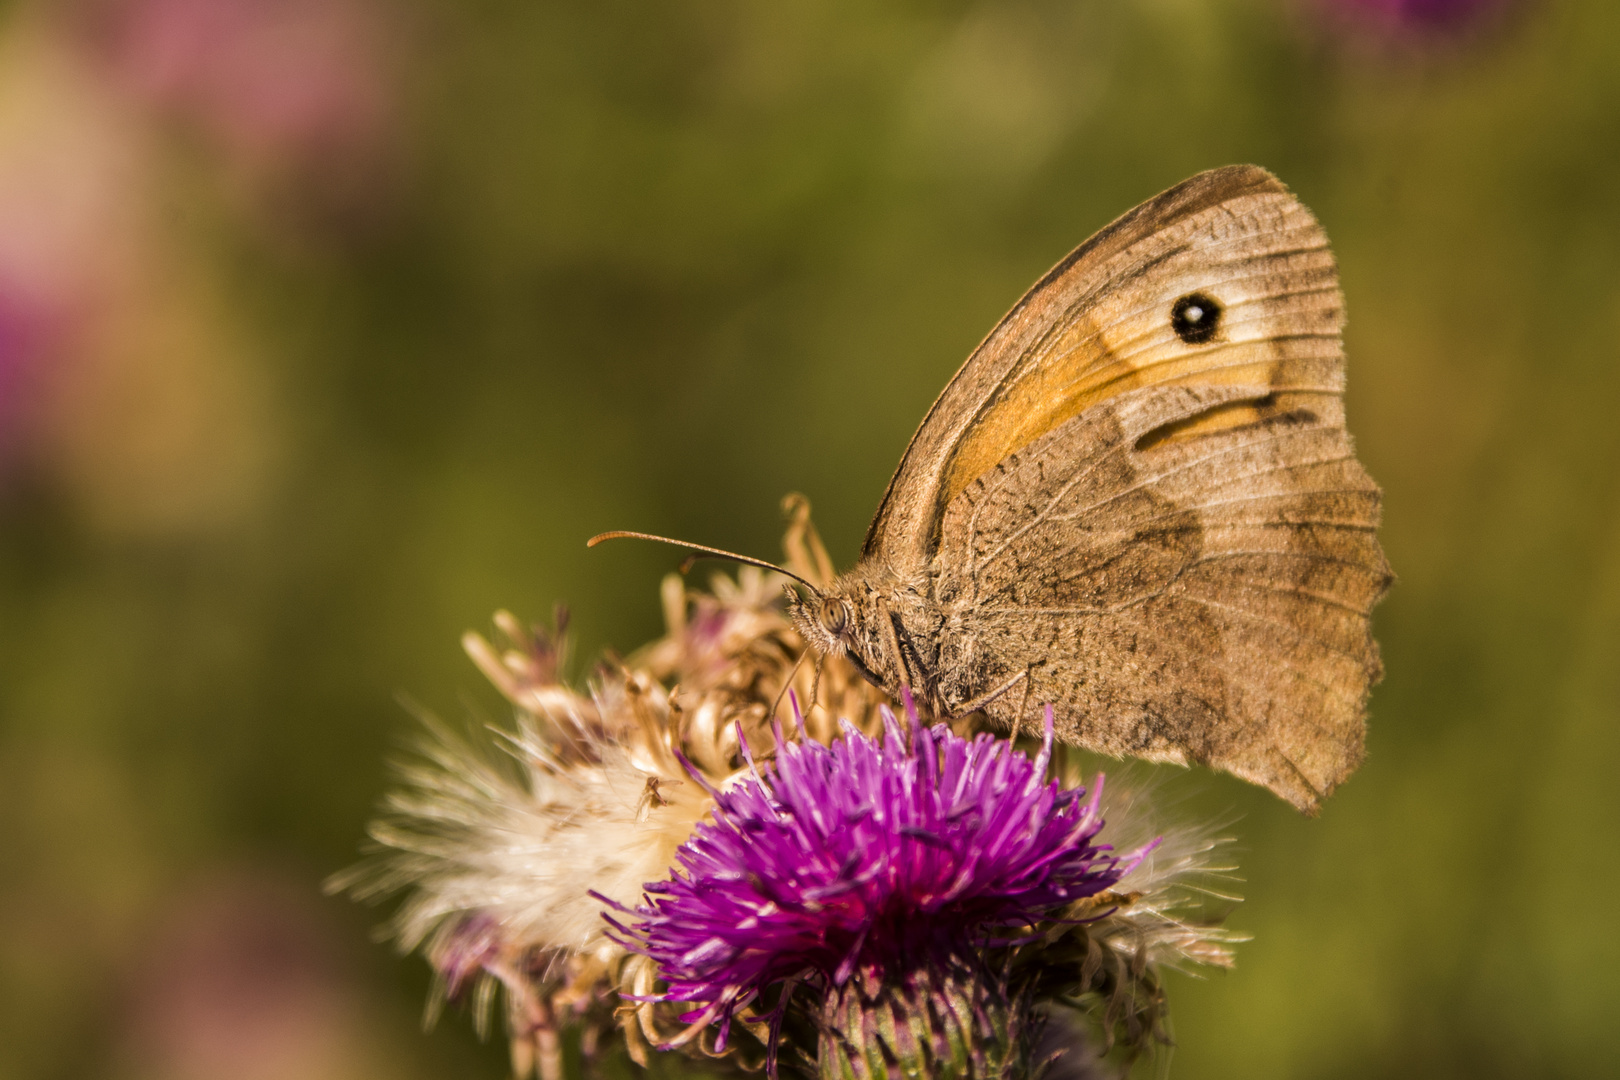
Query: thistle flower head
[881, 859]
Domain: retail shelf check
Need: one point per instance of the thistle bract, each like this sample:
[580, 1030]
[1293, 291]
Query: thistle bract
[874, 861]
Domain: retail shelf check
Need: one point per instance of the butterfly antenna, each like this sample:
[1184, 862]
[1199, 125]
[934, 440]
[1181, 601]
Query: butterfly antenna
[700, 551]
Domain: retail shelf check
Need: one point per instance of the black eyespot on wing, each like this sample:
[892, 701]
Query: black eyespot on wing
[1195, 318]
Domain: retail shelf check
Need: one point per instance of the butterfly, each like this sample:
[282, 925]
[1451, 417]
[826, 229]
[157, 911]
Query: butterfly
[1137, 503]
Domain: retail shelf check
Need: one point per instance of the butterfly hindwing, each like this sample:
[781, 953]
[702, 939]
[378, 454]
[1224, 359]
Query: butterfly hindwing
[1204, 599]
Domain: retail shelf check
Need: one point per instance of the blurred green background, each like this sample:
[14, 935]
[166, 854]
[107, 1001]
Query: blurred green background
[327, 327]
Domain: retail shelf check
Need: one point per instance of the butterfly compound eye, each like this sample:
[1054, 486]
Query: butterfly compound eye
[834, 617]
[1195, 318]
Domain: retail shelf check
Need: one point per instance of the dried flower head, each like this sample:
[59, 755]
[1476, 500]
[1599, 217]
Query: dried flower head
[499, 844]
[499, 853]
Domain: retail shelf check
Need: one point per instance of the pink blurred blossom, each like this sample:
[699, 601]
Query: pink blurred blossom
[121, 377]
[272, 80]
[22, 333]
[71, 170]
[1416, 15]
[244, 978]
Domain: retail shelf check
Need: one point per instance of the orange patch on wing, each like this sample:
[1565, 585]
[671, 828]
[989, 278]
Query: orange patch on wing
[1079, 370]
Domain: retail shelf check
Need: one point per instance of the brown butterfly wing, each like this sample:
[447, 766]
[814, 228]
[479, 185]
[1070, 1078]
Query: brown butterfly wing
[1202, 599]
[1171, 536]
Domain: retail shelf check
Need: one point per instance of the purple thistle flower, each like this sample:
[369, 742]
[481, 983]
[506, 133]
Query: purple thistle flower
[868, 859]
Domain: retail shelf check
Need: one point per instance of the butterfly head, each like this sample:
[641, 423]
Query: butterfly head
[836, 621]
[825, 620]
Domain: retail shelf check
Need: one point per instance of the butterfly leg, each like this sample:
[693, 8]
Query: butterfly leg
[815, 686]
[787, 683]
[994, 692]
[1023, 700]
[891, 644]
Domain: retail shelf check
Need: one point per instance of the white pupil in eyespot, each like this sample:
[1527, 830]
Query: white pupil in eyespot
[1195, 314]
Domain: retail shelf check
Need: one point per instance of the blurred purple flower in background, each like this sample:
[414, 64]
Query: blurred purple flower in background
[1416, 15]
[878, 875]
